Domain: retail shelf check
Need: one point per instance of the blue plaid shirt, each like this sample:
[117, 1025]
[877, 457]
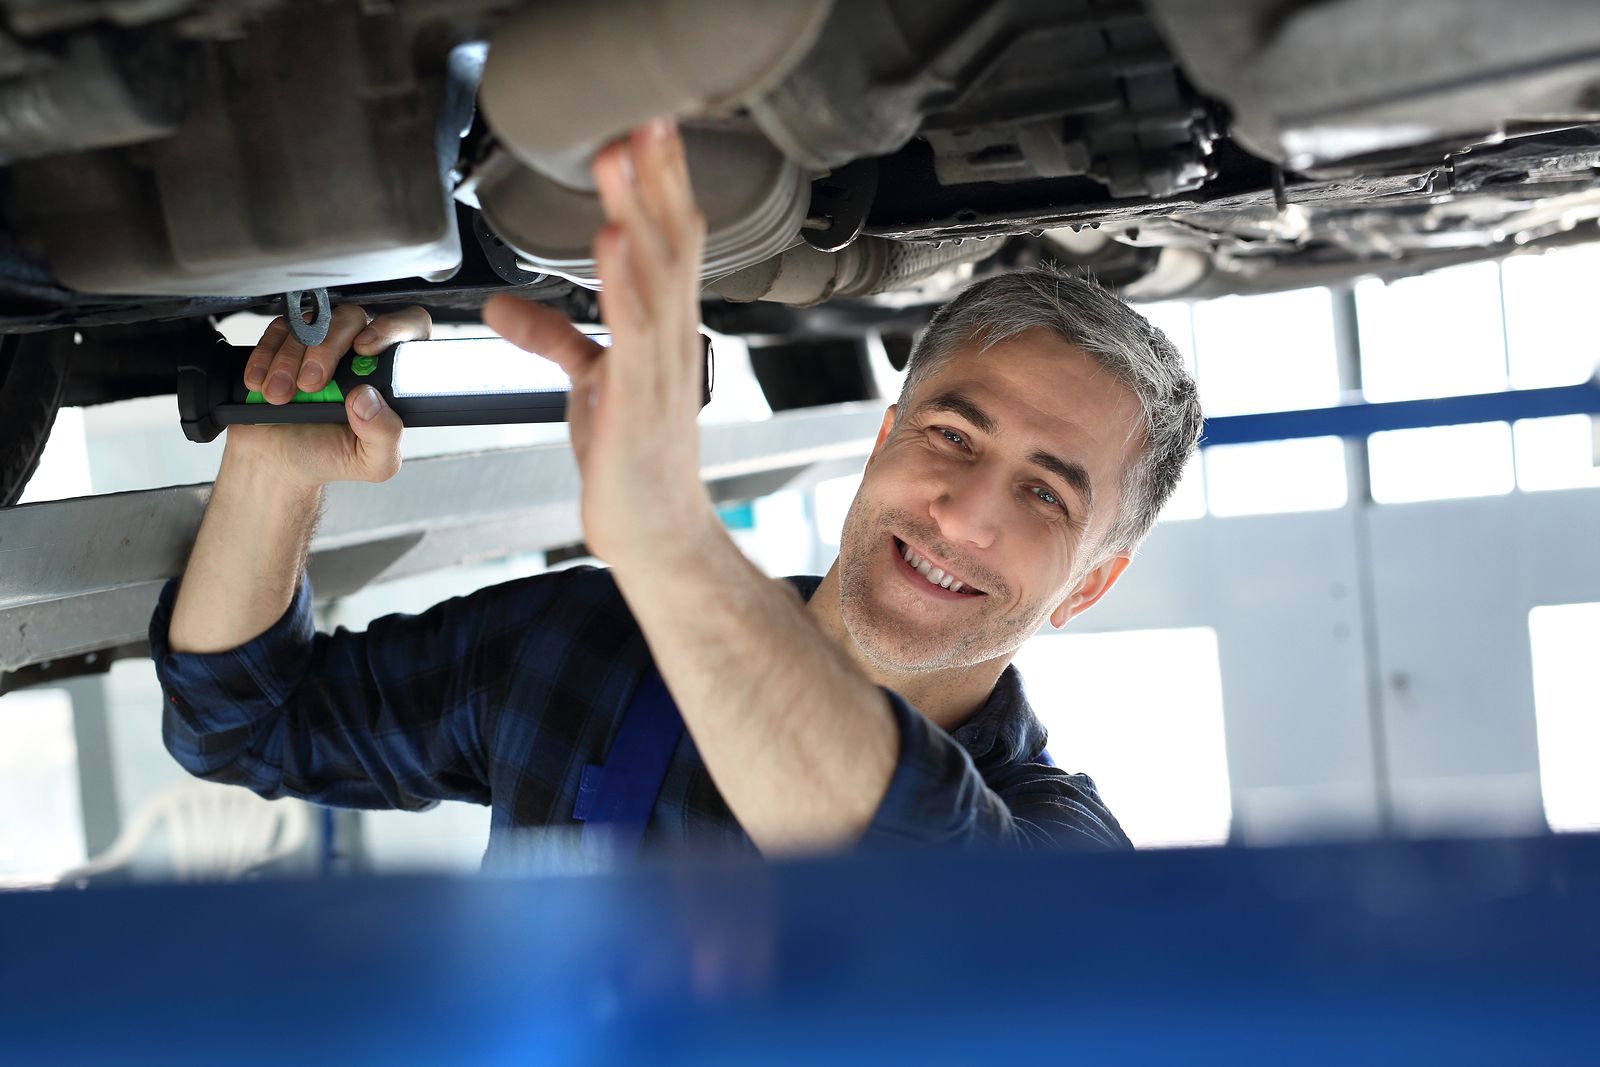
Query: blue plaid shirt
[502, 697]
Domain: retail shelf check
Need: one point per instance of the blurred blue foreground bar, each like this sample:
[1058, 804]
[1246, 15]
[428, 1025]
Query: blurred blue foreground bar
[1434, 952]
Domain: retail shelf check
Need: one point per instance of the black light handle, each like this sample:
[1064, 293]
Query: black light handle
[212, 396]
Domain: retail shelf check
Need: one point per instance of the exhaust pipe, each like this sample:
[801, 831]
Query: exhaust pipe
[564, 78]
[803, 275]
[636, 59]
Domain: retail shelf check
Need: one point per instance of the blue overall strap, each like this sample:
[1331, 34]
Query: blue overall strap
[615, 800]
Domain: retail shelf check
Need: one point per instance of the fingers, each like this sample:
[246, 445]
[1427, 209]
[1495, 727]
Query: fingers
[649, 253]
[411, 324]
[377, 429]
[620, 297]
[255, 368]
[542, 330]
[616, 180]
[662, 177]
[319, 361]
[279, 364]
[283, 370]
[643, 182]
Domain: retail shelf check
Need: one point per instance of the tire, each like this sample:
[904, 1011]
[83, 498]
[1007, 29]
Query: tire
[33, 379]
[803, 374]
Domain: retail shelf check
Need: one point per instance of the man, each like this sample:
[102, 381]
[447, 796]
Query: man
[1042, 426]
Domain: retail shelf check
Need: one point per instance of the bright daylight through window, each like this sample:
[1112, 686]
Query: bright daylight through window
[41, 818]
[1152, 740]
[1270, 353]
[1567, 709]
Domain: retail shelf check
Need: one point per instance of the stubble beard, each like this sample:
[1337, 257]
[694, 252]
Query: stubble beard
[894, 642]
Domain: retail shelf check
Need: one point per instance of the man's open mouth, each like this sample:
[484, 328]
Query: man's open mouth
[933, 573]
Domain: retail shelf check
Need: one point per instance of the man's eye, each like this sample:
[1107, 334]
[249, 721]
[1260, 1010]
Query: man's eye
[1047, 496]
[953, 437]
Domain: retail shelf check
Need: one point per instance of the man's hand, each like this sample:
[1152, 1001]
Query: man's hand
[633, 407]
[367, 448]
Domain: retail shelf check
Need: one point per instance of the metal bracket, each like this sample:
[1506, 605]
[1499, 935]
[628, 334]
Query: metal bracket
[839, 205]
[502, 259]
[311, 333]
[71, 666]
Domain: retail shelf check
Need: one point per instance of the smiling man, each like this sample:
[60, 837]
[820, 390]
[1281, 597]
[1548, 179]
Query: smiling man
[978, 517]
[1042, 426]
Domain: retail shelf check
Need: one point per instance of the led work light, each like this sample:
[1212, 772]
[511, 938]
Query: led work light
[461, 382]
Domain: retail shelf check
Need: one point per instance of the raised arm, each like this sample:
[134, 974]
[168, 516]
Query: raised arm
[253, 540]
[253, 695]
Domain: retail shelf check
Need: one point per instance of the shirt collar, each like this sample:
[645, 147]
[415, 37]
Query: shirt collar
[1005, 730]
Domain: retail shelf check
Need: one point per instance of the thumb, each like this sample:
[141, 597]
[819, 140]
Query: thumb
[541, 330]
[377, 428]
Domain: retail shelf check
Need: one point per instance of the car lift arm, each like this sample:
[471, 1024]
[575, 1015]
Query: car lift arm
[79, 578]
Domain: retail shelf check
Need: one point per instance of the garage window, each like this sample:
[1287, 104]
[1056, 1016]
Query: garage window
[41, 813]
[1550, 340]
[1140, 712]
[1438, 334]
[1558, 453]
[1567, 712]
[1270, 353]
[1441, 462]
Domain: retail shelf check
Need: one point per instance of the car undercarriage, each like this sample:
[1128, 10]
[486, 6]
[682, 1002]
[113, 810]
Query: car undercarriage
[167, 162]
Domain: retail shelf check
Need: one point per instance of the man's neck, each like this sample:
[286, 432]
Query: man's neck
[947, 697]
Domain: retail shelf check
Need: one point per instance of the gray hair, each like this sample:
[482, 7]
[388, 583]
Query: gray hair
[1082, 312]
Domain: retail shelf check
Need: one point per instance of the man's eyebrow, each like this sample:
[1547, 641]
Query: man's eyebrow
[1074, 474]
[963, 405]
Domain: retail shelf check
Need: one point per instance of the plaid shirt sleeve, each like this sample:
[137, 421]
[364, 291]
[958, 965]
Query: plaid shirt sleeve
[395, 717]
[938, 796]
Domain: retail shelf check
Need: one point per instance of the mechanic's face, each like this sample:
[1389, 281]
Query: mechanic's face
[1004, 472]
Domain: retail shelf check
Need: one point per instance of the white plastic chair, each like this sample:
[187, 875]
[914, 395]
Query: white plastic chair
[212, 832]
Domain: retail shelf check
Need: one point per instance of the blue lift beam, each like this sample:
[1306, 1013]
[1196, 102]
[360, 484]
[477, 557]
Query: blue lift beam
[1359, 420]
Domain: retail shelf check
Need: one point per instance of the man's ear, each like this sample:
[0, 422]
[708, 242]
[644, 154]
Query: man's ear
[883, 432]
[1096, 584]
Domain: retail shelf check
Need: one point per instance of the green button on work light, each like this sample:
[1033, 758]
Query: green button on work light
[329, 392]
[363, 365]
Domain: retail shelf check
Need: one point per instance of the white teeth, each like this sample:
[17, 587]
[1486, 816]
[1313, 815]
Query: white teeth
[934, 574]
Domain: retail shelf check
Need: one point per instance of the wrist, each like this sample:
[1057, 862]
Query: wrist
[686, 540]
[262, 507]
[264, 472]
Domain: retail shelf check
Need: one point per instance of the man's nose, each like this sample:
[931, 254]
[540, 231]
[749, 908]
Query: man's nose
[968, 510]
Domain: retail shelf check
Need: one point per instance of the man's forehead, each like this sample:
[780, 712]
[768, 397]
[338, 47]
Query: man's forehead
[1035, 378]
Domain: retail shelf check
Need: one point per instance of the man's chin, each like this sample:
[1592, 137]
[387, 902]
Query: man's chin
[892, 657]
[892, 643]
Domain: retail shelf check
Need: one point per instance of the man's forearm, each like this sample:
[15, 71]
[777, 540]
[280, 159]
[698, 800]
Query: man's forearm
[801, 745]
[247, 558]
